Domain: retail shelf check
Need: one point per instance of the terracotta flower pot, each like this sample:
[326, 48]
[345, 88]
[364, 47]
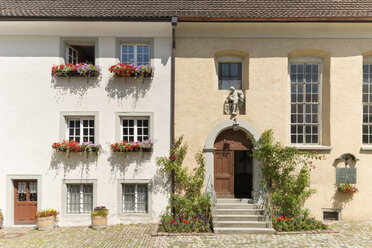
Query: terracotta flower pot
[45, 223]
[99, 222]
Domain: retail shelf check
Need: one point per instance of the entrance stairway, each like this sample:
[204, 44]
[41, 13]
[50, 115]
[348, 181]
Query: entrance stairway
[239, 216]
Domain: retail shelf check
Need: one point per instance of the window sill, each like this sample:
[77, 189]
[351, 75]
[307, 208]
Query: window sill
[133, 215]
[312, 147]
[82, 215]
[366, 148]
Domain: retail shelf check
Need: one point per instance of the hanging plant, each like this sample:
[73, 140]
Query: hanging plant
[81, 69]
[128, 146]
[347, 188]
[125, 71]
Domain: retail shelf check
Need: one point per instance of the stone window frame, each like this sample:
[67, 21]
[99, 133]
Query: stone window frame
[9, 212]
[230, 59]
[309, 60]
[133, 41]
[66, 115]
[120, 115]
[65, 182]
[331, 210]
[65, 41]
[120, 212]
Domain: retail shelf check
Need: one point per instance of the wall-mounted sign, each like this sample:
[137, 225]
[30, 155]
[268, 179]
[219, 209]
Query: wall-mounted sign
[346, 175]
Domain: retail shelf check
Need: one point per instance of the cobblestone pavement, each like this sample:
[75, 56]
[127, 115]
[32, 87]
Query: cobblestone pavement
[351, 234]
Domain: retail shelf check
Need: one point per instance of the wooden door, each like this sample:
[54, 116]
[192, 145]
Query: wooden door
[25, 201]
[224, 173]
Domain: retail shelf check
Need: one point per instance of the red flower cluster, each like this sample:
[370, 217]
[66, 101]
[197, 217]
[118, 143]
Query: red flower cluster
[123, 70]
[127, 146]
[183, 220]
[173, 157]
[56, 68]
[70, 145]
[347, 188]
[283, 218]
[172, 221]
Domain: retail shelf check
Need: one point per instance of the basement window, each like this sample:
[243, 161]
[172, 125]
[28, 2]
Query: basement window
[331, 214]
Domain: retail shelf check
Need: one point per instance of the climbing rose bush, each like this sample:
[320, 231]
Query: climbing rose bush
[73, 146]
[136, 146]
[84, 69]
[123, 70]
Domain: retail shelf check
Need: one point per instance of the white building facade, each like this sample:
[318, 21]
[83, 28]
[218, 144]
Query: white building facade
[38, 109]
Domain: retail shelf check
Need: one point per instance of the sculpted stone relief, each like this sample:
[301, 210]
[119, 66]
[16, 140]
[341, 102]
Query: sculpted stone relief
[233, 102]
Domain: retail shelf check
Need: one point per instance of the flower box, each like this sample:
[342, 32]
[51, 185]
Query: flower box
[78, 70]
[125, 71]
[347, 188]
[73, 146]
[128, 146]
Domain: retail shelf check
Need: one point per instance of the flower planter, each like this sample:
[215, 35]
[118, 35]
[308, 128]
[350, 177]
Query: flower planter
[76, 74]
[45, 223]
[99, 222]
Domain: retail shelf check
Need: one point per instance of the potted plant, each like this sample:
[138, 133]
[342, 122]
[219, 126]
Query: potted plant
[123, 70]
[73, 146]
[99, 217]
[128, 146]
[46, 219]
[1, 218]
[80, 69]
[347, 188]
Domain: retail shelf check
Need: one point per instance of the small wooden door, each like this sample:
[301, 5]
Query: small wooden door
[224, 173]
[25, 201]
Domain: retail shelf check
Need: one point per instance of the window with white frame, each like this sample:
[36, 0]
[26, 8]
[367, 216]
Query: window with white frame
[135, 198]
[305, 102]
[72, 55]
[79, 198]
[80, 129]
[367, 102]
[135, 54]
[135, 128]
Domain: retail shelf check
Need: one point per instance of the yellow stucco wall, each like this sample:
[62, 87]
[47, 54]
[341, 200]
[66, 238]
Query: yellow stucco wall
[199, 103]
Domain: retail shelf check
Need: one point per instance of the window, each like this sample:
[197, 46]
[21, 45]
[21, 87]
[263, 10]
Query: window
[136, 54]
[79, 198]
[135, 129]
[78, 49]
[367, 104]
[305, 104]
[135, 198]
[229, 74]
[331, 214]
[80, 129]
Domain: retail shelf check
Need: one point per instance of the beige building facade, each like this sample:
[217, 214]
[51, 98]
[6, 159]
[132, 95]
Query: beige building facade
[335, 60]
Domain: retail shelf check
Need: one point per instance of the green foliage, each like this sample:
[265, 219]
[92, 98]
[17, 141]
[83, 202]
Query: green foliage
[188, 201]
[297, 224]
[286, 173]
[168, 224]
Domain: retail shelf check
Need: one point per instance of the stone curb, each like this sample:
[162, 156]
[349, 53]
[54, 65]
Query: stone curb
[308, 232]
[155, 233]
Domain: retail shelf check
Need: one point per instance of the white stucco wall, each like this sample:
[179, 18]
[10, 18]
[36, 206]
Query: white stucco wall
[31, 101]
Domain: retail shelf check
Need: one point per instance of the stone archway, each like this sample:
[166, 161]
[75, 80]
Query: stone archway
[209, 153]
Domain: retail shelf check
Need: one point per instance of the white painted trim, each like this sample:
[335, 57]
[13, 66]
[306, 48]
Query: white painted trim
[9, 212]
[366, 148]
[135, 62]
[127, 115]
[312, 147]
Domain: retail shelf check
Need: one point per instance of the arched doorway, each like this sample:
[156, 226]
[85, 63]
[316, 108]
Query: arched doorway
[233, 165]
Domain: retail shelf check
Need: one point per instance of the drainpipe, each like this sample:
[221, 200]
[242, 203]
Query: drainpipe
[172, 96]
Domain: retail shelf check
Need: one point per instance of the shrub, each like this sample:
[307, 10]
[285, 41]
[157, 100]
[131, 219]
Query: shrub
[285, 224]
[47, 213]
[184, 225]
[100, 211]
[285, 173]
[187, 201]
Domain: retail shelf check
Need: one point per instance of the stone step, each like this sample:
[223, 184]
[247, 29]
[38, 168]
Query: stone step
[242, 230]
[246, 224]
[229, 217]
[235, 200]
[239, 211]
[237, 206]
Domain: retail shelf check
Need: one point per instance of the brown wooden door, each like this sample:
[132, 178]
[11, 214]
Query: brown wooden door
[25, 201]
[224, 173]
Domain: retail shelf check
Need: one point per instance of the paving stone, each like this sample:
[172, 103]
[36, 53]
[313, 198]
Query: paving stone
[356, 234]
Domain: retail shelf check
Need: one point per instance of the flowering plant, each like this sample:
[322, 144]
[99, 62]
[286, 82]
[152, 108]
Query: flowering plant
[196, 224]
[73, 146]
[47, 213]
[83, 69]
[123, 70]
[173, 157]
[128, 146]
[100, 211]
[284, 224]
[347, 188]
